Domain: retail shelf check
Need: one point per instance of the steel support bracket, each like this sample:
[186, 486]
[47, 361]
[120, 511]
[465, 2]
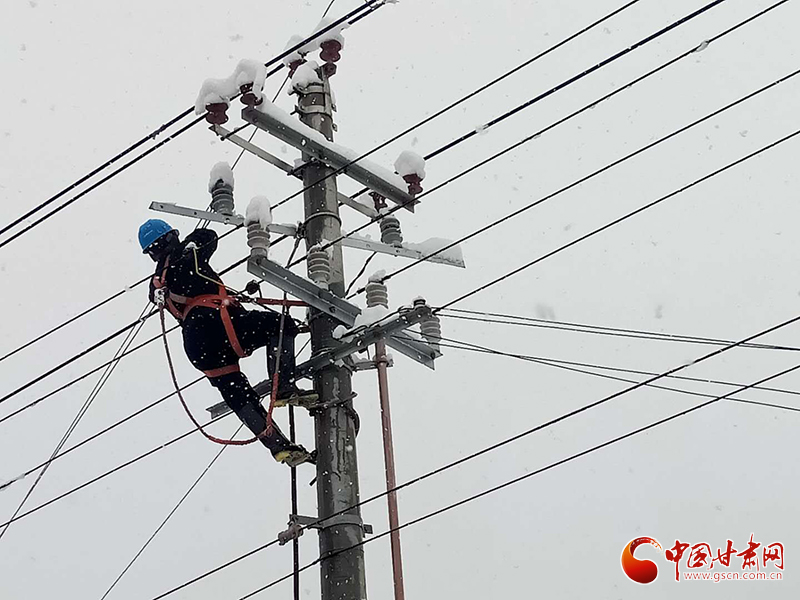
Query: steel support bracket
[330, 156]
[338, 308]
[316, 523]
[363, 338]
[224, 134]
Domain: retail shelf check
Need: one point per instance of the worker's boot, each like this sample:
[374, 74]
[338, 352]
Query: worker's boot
[283, 451]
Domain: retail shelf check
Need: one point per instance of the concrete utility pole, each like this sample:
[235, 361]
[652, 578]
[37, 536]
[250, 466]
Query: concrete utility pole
[343, 575]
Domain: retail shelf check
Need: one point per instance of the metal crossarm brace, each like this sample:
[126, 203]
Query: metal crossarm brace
[338, 308]
[329, 156]
[363, 339]
[354, 241]
[287, 168]
[312, 523]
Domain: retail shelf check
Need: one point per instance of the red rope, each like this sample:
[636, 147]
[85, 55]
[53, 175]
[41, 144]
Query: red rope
[186, 407]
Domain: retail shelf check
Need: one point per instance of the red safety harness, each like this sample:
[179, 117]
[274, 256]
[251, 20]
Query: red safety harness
[221, 301]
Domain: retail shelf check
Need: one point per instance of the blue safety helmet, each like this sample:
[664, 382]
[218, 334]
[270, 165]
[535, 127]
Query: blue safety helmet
[152, 230]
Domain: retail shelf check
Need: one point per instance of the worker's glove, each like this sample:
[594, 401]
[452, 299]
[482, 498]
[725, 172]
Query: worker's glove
[160, 297]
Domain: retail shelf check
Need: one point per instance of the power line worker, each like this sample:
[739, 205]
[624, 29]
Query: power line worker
[218, 331]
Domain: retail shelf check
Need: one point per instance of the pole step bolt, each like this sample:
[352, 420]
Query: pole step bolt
[319, 266]
[222, 198]
[390, 231]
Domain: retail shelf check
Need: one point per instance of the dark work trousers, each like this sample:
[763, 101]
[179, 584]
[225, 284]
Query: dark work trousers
[207, 347]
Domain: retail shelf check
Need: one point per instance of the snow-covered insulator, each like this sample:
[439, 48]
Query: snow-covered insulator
[413, 180]
[319, 266]
[217, 113]
[430, 328]
[222, 198]
[330, 51]
[390, 231]
[258, 240]
[249, 97]
[377, 294]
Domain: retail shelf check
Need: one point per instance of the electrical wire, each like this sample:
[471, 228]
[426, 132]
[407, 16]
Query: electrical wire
[515, 438]
[169, 516]
[521, 478]
[370, 6]
[405, 132]
[637, 334]
[623, 218]
[509, 114]
[79, 417]
[595, 173]
[579, 367]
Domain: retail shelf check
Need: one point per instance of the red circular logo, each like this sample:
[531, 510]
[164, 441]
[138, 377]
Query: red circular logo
[640, 571]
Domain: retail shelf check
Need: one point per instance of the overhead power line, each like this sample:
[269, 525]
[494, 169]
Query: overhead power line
[515, 438]
[637, 334]
[502, 117]
[624, 217]
[394, 138]
[593, 174]
[581, 367]
[524, 477]
[367, 8]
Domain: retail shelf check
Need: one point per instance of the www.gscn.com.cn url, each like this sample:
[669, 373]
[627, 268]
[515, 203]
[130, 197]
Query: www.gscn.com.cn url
[732, 576]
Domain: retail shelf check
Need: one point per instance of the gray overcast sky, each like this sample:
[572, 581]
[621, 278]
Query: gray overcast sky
[85, 79]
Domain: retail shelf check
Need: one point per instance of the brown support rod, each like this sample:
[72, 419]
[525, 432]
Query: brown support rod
[382, 363]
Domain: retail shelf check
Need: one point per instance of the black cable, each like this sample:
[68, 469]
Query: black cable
[421, 123]
[100, 433]
[83, 353]
[623, 218]
[575, 367]
[595, 173]
[636, 334]
[511, 113]
[126, 343]
[369, 4]
[150, 136]
[522, 478]
[507, 441]
[462, 100]
[109, 472]
[169, 516]
[360, 273]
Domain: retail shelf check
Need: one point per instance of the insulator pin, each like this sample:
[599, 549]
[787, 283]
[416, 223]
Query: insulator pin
[249, 97]
[377, 294]
[430, 328]
[216, 113]
[258, 240]
[413, 180]
[319, 267]
[390, 231]
[222, 198]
